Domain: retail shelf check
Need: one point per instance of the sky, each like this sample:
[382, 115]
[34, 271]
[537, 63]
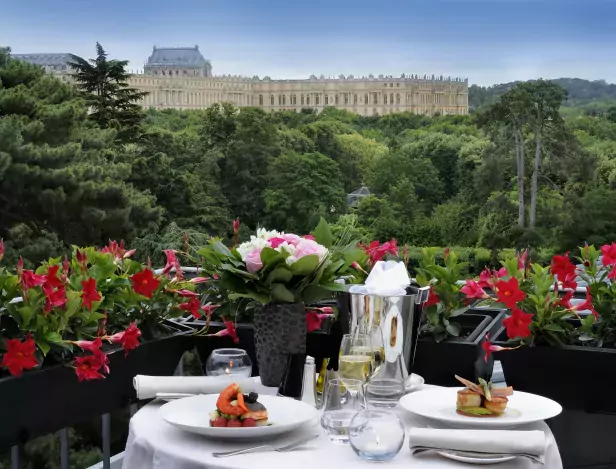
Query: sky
[486, 41]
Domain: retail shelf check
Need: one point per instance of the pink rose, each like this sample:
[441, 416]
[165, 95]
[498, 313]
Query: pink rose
[275, 242]
[253, 261]
[308, 247]
[292, 239]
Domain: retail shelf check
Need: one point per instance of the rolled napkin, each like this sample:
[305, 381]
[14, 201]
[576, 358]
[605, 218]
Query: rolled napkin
[148, 386]
[526, 444]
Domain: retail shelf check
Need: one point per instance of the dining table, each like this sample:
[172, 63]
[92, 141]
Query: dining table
[155, 444]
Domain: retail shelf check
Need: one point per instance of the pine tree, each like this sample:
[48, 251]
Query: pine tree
[105, 86]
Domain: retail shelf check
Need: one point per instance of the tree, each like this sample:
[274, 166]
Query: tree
[301, 189]
[106, 90]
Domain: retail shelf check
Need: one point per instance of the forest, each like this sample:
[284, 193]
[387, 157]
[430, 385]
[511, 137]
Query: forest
[82, 164]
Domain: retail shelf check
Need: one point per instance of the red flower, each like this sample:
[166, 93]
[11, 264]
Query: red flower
[564, 269]
[104, 360]
[508, 292]
[30, 280]
[485, 279]
[128, 338]
[54, 297]
[82, 259]
[229, 330]
[144, 283]
[198, 280]
[118, 251]
[89, 294]
[88, 367]
[587, 305]
[473, 290]
[488, 347]
[356, 266]
[518, 324]
[52, 279]
[185, 293]
[309, 237]
[433, 298]
[612, 274]
[500, 273]
[89, 345]
[446, 253]
[236, 225]
[275, 242]
[314, 320]
[1, 248]
[327, 310]
[377, 251]
[565, 301]
[193, 306]
[522, 258]
[608, 254]
[19, 355]
[172, 263]
[209, 309]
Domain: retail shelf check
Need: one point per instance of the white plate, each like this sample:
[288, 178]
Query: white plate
[414, 382]
[479, 460]
[440, 405]
[192, 414]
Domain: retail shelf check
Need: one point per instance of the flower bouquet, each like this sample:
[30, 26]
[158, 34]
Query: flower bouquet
[279, 273]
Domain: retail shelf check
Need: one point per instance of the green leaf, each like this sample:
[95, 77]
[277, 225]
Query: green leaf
[221, 248]
[554, 327]
[306, 265]
[323, 234]
[281, 294]
[459, 311]
[26, 313]
[453, 328]
[261, 298]
[279, 274]
[44, 346]
[54, 337]
[270, 256]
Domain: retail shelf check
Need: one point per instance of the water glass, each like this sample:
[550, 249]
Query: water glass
[356, 360]
[376, 435]
[341, 401]
[232, 362]
[384, 393]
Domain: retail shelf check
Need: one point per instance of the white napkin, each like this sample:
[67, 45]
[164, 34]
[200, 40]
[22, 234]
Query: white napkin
[388, 278]
[528, 444]
[148, 386]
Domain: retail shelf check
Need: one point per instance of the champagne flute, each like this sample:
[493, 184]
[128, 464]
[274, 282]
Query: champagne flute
[356, 358]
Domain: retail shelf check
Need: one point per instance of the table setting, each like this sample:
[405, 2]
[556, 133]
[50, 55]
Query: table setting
[368, 409]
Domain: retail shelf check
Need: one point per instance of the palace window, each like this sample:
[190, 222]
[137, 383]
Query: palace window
[163, 72]
[177, 72]
[346, 98]
[375, 98]
[272, 100]
[308, 100]
[260, 100]
[366, 98]
[326, 100]
[284, 99]
[336, 100]
[385, 99]
[355, 98]
[391, 85]
[385, 85]
[398, 85]
[397, 98]
[293, 99]
[316, 100]
[279, 100]
[302, 100]
[391, 98]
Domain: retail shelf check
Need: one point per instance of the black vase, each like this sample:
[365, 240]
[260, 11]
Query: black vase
[280, 331]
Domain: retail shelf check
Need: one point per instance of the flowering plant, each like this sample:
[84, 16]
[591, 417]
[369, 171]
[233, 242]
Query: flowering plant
[95, 297]
[279, 267]
[538, 313]
[446, 299]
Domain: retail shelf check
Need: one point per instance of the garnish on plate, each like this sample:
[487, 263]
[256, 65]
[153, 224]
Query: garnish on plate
[234, 409]
[481, 400]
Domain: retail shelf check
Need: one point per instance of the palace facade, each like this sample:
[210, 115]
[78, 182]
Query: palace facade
[181, 78]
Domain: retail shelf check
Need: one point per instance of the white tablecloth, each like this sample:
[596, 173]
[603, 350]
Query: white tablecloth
[154, 444]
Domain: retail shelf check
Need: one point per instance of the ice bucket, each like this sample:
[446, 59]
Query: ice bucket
[399, 318]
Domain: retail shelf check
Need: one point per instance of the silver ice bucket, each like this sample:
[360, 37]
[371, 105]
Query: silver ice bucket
[399, 318]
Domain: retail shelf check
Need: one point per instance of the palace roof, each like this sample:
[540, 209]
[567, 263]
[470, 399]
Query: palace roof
[176, 56]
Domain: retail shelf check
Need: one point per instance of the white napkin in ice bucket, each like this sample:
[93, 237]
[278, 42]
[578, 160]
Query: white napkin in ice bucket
[387, 278]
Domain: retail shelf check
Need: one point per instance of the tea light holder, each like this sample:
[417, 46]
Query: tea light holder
[376, 435]
[232, 362]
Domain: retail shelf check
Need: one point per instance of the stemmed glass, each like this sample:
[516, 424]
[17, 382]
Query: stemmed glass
[356, 360]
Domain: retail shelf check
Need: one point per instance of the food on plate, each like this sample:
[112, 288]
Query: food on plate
[234, 409]
[481, 400]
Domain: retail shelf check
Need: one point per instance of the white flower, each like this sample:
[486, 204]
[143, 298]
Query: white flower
[265, 234]
[249, 246]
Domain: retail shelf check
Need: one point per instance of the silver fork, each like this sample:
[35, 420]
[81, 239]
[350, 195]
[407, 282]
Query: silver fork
[280, 449]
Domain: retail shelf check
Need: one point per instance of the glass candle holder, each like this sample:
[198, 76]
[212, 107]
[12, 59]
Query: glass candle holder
[376, 435]
[231, 362]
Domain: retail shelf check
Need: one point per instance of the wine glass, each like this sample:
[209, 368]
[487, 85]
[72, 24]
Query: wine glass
[341, 401]
[356, 360]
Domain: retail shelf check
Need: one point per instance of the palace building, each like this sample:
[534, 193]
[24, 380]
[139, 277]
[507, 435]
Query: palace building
[181, 78]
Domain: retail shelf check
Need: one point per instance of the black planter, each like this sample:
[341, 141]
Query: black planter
[437, 363]
[46, 400]
[578, 378]
[280, 331]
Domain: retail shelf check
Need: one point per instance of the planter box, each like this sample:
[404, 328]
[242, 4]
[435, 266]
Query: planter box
[437, 363]
[46, 400]
[578, 378]
[319, 344]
